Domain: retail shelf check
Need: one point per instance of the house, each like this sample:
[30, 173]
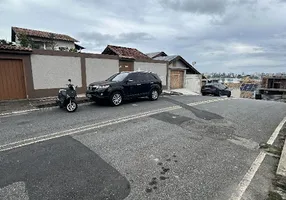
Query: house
[273, 87]
[178, 69]
[44, 40]
[156, 54]
[35, 73]
[127, 56]
[131, 59]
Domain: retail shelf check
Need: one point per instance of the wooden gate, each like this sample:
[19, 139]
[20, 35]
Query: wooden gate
[177, 79]
[12, 80]
[126, 66]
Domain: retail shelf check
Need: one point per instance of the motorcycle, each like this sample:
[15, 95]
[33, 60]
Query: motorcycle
[66, 97]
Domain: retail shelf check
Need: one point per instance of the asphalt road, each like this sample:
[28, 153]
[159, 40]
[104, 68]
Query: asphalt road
[181, 147]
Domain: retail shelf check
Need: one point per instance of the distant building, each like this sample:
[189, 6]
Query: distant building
[45, 40]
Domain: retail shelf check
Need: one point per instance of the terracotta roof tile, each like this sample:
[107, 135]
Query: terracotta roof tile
[42, 34]
[128, 52]
[14, 48]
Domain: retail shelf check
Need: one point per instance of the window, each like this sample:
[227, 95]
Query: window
[133, 76]
[118, 77]
[143, 77]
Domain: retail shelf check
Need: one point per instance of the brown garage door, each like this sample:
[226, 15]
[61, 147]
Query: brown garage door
[177, 79]
[12, 82]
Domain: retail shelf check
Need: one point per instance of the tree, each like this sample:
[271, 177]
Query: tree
[52, 43]
[5, 42]
[25, 41]
[73, 50]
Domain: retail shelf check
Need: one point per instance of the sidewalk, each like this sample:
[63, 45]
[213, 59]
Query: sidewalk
[7, 107]
[278, 190]
[181, 91]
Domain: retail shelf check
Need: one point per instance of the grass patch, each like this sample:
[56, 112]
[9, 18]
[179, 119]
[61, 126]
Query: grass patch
[274, 196]
[271, 149]
[280, 182]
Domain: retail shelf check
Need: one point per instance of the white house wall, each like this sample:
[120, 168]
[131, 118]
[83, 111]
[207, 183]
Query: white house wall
[53, 71]
[158, 68]
[194, 82]
[100, 69]
[179, 64]
[59, 43]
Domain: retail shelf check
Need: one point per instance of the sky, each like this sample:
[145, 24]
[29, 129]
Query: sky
[219, 35]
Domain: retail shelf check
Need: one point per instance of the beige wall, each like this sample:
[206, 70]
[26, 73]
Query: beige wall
[53, 71]
[100, 69]
[193, 82]
[158, 68]
[179, 64]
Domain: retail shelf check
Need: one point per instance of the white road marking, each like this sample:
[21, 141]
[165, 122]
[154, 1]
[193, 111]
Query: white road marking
[276, 132]
[81, 129]
[24, 112]
[19, 112]
[244, 183]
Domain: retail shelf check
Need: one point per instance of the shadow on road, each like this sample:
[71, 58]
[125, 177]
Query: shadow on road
[202, 114]
[61, 168]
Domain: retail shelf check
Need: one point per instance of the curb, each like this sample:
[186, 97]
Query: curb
[172, 93]
[281, 169]
[42, 107]
[54, 104]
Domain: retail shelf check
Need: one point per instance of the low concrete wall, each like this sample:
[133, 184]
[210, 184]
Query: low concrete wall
[158, 68]
[235, 92]
[193, 82]
[100, 69]
[51, 72]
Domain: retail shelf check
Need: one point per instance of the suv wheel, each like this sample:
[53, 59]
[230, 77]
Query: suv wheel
[154, 95]
[219, 94]
[115, 99]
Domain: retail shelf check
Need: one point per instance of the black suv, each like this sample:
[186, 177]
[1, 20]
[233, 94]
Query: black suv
[215, 89]
[125, 85]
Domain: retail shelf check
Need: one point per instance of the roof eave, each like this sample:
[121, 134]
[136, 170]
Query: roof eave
[14, 33]
[15, 51]
[188, 64]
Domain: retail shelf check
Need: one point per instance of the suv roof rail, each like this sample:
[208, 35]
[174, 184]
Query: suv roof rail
[146, 71]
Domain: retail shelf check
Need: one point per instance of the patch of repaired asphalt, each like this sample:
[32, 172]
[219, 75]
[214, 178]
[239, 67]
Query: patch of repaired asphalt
[216, 129]
[202, 114]
[61, 168]
[171, 118]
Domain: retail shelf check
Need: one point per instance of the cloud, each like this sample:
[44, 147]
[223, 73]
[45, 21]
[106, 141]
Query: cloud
[122, 38]
[220, 35]
[199, 6]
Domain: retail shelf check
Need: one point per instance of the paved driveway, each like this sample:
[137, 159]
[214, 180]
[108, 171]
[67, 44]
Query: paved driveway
[187, 147]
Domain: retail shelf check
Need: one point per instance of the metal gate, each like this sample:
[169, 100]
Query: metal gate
[12, 80]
